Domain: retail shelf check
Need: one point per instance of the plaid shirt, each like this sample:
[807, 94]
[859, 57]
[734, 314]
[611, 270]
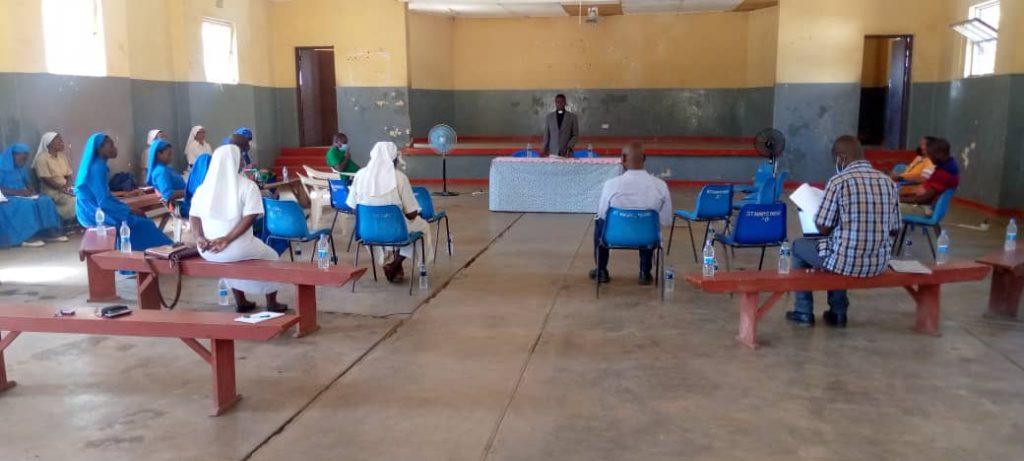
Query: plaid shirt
[861, 205]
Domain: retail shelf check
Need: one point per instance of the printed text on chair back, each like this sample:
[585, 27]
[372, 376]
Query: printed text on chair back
[757, 224]
[714, 201]
[381, 224]
[632, 228]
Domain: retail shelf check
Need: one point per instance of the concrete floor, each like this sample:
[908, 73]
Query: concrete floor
[509, 356]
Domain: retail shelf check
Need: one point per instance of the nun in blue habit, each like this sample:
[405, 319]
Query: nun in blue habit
[167, 182]
[26, 216]
[92, 193]
[195, 179]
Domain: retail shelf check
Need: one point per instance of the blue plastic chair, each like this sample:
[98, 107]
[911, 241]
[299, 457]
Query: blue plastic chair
[714, 203]
[764, 171]
[433, 216]
[339, 195]
[633, 230]
[910, 222]
[584, 154]
[763, 196]
[526, 154]
[756, 226]
[384, 226]
[899, 168]
[285, 221]
[780, 182]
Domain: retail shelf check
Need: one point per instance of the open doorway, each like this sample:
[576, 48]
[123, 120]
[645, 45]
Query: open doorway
[318, 101]
[885, 90]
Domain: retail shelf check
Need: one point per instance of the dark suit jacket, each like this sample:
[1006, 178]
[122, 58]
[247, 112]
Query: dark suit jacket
[560, 141]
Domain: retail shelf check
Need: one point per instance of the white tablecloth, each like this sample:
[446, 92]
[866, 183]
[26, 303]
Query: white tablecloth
[549, 185]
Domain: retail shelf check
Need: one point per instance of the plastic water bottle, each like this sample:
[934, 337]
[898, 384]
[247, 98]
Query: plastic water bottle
[590, 151]
[284, 173]
[424, 283]
[942, 252]
[709, 258]
[670, 279]
[785, 258]
[100, 217]
[177, 229]
[529, 148]
[322, 261]
[1011, 236]
[222, 292]
[908, 250]
[126, 238]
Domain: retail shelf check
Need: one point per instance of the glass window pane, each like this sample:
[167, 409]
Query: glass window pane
[73, 37]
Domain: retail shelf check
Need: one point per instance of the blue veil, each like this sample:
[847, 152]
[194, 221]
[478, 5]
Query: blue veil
[157, 146]
[89, 154]
[11, 176]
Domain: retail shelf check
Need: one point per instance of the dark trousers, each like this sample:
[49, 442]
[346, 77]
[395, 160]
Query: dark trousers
[601, 254]
[805, 256]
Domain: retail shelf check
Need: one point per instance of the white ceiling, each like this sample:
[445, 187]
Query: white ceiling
[550, 8]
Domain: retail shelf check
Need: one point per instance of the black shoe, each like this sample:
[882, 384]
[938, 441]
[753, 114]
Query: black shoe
[834, 320]
[646, 278]
[605, 278]
[800, 318]
[245, 308]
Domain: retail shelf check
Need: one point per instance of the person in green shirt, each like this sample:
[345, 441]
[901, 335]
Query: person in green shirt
[339, 158]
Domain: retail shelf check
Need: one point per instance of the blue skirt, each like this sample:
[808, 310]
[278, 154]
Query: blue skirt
[24, 218]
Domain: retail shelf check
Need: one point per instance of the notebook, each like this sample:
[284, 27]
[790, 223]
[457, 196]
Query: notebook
[807, 200]
[909, 267]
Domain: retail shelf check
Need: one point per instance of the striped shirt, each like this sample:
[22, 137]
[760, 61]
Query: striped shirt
[861, 206]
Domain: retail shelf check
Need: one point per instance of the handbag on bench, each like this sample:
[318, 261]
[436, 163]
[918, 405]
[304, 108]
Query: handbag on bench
[173, 254]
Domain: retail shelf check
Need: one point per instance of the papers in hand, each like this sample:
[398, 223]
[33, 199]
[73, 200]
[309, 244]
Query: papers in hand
[259, 317]
[2, 198]
[909, 267]
[808, 199]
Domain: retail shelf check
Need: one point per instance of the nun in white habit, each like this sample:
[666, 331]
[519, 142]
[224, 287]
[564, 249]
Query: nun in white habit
[196, 144]
[380, 183]
[223, 211]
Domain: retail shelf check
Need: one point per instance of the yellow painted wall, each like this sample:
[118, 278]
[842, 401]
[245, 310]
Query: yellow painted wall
[639, 51]
[431, 51]
[762, 46]
[369, 39]
[822, 41]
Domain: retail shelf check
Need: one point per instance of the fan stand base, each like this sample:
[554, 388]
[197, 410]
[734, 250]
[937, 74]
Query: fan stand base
[445, 193]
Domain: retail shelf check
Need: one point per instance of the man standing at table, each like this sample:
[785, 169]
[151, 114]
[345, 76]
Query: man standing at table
[561, 130]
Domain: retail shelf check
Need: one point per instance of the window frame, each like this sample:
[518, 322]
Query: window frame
[972, 47]
[233, 69]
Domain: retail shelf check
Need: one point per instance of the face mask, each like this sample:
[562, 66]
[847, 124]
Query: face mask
[561, 112]
[343, 148]
[839, 169]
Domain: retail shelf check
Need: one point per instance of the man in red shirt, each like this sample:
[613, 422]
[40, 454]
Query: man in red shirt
[945, 177]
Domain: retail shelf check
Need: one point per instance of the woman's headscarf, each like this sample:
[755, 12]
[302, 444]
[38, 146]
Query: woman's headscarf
[157, 146]
[196, 177]
[151, 136]
[217, 197]
[89, 155]
[378, 177]
[44, 146]
[11, 175]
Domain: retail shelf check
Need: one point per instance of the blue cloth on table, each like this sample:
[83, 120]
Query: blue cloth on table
[21, 218]
[92, 193]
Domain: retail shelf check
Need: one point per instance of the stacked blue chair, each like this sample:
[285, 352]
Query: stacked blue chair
[433, 216]
[384, 226]
[339, 195]
[934, 222]
[526, 154]
[633, 230]
[780, 181]
[714, 203]
[764, 171]
[762, 196]
[584, 154]
[757, 226]
[285, 221]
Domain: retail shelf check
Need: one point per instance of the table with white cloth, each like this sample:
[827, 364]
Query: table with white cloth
[549, 185]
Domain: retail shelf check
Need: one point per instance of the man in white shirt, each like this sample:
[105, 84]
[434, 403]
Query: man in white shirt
[635, 189]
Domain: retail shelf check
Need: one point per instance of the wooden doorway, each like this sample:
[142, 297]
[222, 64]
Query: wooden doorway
[317, 95]
[885, 90]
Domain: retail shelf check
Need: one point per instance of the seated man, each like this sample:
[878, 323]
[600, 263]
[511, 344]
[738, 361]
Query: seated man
[860, 217]
[635, 189]
[945, 177]
[242, 138]
[919, 169]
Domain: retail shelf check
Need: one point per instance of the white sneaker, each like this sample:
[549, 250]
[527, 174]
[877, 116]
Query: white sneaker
[33, 243]
[62, 238]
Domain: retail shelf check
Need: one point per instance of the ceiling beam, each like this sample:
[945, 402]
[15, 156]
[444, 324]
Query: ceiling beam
[603, 9]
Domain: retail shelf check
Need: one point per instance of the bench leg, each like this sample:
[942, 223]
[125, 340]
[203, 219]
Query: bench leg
[101, 283]
[751, 310]
[928, 302]
[148, 284]
[4, 342]
[1005, 293]
[306, 295]
[223, 364]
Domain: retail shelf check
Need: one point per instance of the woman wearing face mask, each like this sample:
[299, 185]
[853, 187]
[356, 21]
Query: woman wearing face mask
[339, 158]
[918, 171]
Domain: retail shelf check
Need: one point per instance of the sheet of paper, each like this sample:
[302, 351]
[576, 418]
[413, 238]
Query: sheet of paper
[909, 267]
[808, 198]
[807, 224]
[259, 317]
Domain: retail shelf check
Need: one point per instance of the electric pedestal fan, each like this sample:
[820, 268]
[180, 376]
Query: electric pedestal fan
[770, 143]
[442, 140]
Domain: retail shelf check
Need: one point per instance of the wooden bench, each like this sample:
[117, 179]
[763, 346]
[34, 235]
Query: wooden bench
[189, 326]
[305, 276]
[1007, 282]
[101, 282]
[924, 288]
